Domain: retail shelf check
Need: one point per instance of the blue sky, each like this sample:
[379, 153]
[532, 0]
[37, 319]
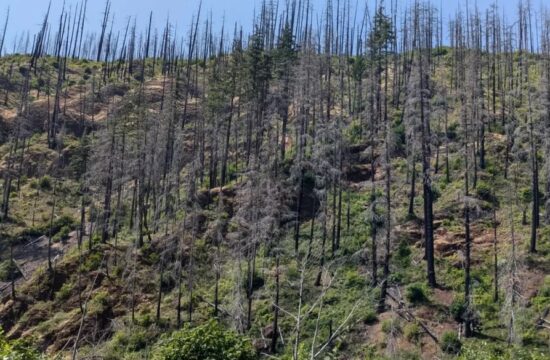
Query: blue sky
[28, 14]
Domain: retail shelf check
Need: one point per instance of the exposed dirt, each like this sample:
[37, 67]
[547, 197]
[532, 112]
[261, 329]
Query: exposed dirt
[447, 243]
[34, 254]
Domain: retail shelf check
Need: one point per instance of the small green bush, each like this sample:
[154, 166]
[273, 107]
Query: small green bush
[65, 292]
[131, 341]
[485, 192]
[45, 183]
[16, 350]
[458, 308]
[412, 332]
[63, 234]
[416, 294]
[391, 326]
[57, 226]
[450, 343]
[99, 303]
[7, 270]
[208, 341]
[545, 290]
[34, 184]
[145, 319]
[370, 317]
[403, 255]
[92, 262]
[436, 193]
[491, 350]
[354, 280]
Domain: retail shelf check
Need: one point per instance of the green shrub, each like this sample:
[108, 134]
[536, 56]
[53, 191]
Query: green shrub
[412, 332]
[400, 136]
[458, 308]
[403, 255]
[208, 341]
[416, 294]
[391, 326]
[485, 192]
[145, 319]
[65, 292]
[7, 269]
[370, 317]
[92, 262]
[99, 303]
[545, 290]
[57, 225]
[354, 280]
[34, 184]
[16, 350]
[131, 340]
[490, 350]
[62, 234]
[526, 195]
[45, 183]
[436, 193]
[450, 343]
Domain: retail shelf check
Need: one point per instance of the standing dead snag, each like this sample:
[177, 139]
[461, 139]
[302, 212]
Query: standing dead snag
[380, 40]
[4, 31]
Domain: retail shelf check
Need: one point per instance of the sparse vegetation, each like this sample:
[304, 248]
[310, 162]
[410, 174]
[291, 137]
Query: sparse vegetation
[325, 186]
[450, 343]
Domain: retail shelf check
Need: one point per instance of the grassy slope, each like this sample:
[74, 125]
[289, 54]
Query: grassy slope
[51, 319]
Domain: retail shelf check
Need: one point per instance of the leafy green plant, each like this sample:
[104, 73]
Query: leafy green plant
[207, 341]
[65, 292]
[16, 350]
[45, 183]
[62, 234]
[485, 192]
[416, 294]
[403, 255]
[370, 317]
[458, 308]
[391, 326]
[450, 343]
[99, 303]
[7, 270]
[131, 341]
[354, 280]
[412, 332]
[92, 261]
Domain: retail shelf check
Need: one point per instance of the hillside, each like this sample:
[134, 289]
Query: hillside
[266, 199]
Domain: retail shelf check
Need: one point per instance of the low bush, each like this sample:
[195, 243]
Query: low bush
[412, 332]
[391, 326]
[99, 303]
[416, 294]
[45, 183]
[450, 343]
[370, 317]
[65, 292]
[16, 350]
[208, 341]
[7, 270]
[457, 309]
[484, 191]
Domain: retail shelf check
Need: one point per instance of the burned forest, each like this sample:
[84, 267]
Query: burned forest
[328, 179]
